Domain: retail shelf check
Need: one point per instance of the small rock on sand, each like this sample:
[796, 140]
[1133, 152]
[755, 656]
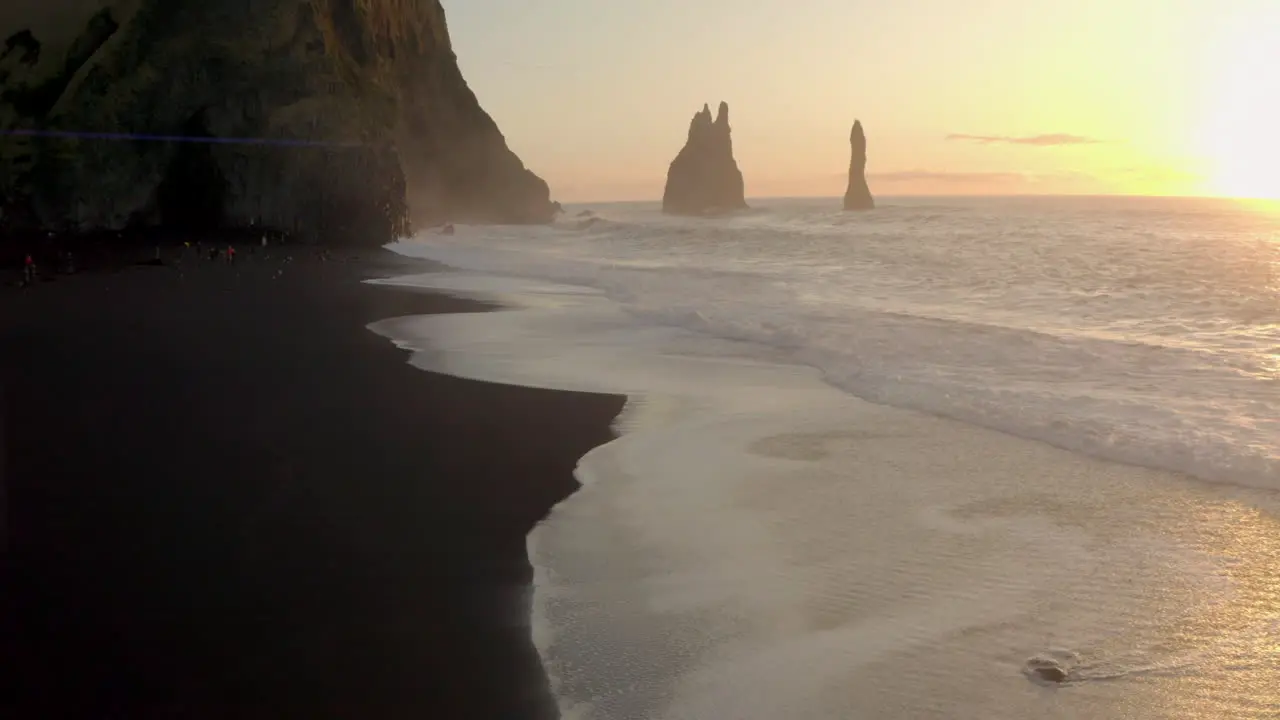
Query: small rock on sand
[1050, 669]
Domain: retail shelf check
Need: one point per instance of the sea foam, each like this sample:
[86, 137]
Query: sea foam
[758, 544]
[1143, 338]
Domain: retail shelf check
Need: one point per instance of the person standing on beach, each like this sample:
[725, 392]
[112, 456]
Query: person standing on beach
[28, 270]
[231, 255]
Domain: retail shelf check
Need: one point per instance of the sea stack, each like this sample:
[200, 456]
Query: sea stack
[704, 178]
[858, 196]
[331, 119]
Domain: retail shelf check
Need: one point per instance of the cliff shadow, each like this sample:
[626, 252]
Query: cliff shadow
[193, 193]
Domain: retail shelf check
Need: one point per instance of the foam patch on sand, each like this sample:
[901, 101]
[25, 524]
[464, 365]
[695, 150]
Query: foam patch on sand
[757, 544]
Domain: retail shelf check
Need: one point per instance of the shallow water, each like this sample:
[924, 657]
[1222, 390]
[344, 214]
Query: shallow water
[1142, 330]
[760, 544]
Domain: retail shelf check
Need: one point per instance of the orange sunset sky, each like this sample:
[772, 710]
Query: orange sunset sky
[1164, 97]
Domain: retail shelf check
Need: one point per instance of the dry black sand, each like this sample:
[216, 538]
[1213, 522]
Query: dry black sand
[227, 498]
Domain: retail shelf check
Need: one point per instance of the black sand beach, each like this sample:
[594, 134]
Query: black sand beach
[227, 498]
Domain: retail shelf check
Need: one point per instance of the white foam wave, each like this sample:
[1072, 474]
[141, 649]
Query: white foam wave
[758, 544]
[1147, 397]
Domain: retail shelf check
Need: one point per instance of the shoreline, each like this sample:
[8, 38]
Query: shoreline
[227, 496]
[980, 365]
[757, 541]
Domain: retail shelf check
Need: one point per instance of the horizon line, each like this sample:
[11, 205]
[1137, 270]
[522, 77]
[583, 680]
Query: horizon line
[970, 196]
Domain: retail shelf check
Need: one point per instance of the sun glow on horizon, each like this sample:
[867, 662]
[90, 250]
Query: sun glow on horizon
[1241, 133]
[1175, 98]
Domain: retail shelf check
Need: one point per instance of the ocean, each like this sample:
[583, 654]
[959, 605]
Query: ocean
[886, 464]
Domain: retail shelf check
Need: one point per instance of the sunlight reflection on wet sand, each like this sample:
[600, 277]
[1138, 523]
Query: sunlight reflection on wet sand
[757, 544]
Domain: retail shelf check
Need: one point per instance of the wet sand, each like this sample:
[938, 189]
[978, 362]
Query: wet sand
[226, 497]
[759, 544]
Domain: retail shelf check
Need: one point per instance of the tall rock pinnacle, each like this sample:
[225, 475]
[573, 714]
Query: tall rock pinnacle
[704, 177]
[858, 195]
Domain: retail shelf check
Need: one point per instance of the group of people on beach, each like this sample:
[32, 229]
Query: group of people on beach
[30, 272]
[67, 266]
[214, 253]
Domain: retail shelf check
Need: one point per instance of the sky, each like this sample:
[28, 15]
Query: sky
[1161, 97]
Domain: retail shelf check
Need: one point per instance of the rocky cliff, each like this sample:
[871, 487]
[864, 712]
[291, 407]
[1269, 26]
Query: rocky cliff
[858, 195]
[326, 118]
[704, 177]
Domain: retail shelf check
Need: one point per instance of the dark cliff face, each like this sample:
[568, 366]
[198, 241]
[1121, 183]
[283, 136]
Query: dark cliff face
[336, 119]
[704, 176]
[858, 195]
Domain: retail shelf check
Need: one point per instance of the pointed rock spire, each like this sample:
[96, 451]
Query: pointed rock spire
[858, 195]
[704, 177]
[722, 116]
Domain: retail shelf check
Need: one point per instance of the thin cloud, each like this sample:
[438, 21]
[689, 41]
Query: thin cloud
[1050, 140]
[1062, 180]
[959, 178]
[1161, 173]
